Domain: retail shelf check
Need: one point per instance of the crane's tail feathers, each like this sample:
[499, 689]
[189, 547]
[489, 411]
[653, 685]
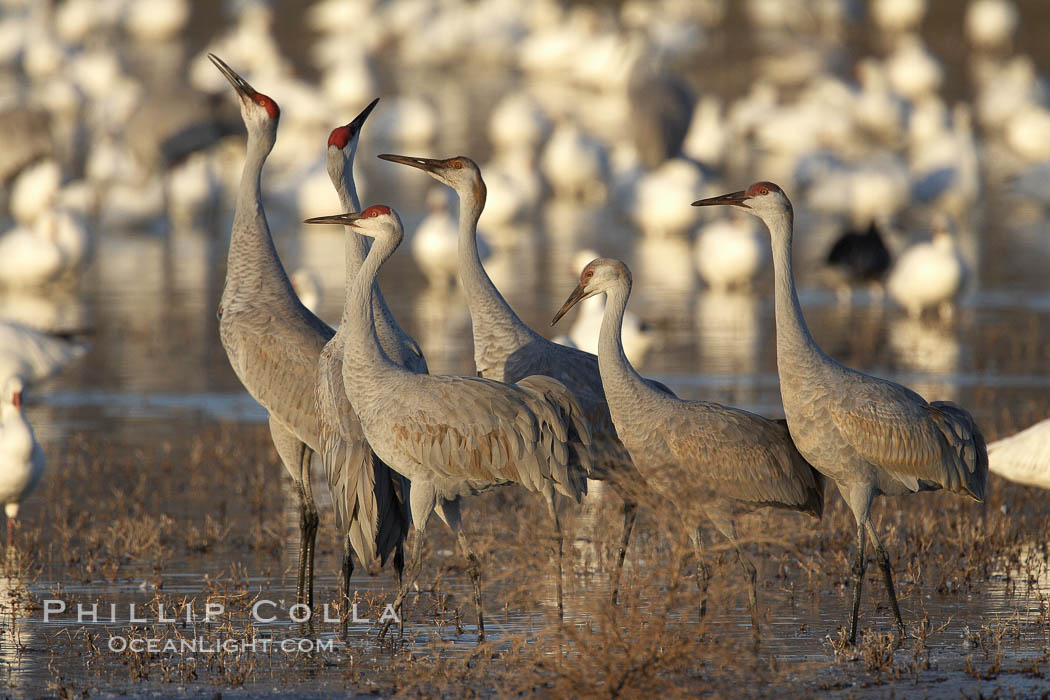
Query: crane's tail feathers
[967, 468]
[812, 482]
[815, 503]
[567, 436]
[334, 455]
[365, 499]
[378, 524]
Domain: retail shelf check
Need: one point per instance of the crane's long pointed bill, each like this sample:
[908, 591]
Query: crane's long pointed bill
[341, 219]
[428, 164]
[577, 295]
[733, 198]
[239, 84]
[359, 120]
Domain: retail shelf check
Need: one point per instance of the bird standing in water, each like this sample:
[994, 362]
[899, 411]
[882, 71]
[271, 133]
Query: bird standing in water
[868, 435]
[21, 459]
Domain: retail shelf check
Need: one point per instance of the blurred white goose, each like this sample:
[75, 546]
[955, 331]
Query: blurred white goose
[21, 459]
[156, 20]
[308, 287]
[991, 24]
[898, 15]
[1028, 133]
[730, 253]
[28, 257]
[408, 120]
[34, 190]
[60, 311]
[584, 332]
[515, 189]
[1023, 457]
[945, 164]
[929, 274]
[575, 164]
[518, 120]
[1008, 90]
[912, 70]
[56, 243]
[707, 137]
[33, 355]
[656, 195]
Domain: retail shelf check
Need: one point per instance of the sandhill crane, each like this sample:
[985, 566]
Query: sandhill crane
[507, 350]
[638, 338]
[454, 436]
[868, 435]
[21, 459]
[710, 461]
[369, 513]
[1023, 457]
[272, 340]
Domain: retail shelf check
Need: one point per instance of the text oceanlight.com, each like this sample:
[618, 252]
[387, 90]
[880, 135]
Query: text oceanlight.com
[202, 645]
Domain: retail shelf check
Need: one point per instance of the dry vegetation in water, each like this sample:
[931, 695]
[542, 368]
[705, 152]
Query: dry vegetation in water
[206, 521]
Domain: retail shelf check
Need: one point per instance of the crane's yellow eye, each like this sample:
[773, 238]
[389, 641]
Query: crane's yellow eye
[457, 164]
[763, 190]
[374, 213]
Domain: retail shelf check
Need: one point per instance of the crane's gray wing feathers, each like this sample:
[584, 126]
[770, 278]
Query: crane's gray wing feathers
[922, 445]
[474, 429]
[965, 451]
[578, 371]
[742, 456]
[276, 360]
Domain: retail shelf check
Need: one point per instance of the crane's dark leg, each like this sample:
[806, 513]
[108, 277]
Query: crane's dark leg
[630, 512]
[295, 457]
[553, 508]
[406, 581]
[399, 576]
[858, 580]
[887, 574]
[312, 519]
[703, 573]
[474, 566]
[752, 590]
[300, 584]
[348, 571]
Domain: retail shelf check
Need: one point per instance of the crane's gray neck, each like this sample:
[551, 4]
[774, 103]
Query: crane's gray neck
[355, 249]
[362, 354]
[619, 378]
[795, 345]
[489, 311]
[252, 252]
